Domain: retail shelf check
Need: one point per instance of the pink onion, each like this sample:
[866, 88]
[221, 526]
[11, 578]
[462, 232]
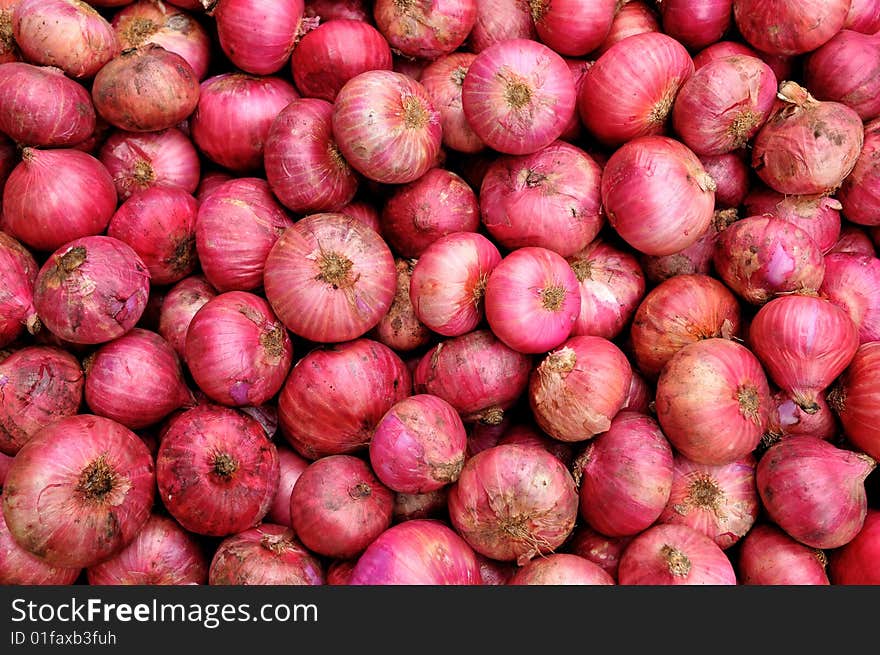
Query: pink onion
[768, 556]
[790, 419]
[721, 50]
[853, 282]
[18, 274]
[571, 27]
[779, 27]
[255, 37]
[814, 490]
[630, 18]
[518, 96]
[264, 555]
[599, 549]
[79, 491]
[855, 401]
[561, 569]
[364, 212]
[291, 465]
[443, 79]
[731, 173]
[425, 30]
[855, 240]
[493, 572]
[400, 328]
[859, 194]
[817, 215]
[863, 16]
[856, 563]
[500, 20]
[846, 70]
[217, 471]
[179, 306]
[696, 23]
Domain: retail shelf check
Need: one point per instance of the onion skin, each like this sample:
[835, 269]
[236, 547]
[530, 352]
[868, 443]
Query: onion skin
[179, 306]
[18, 274]
[696, 24]
[731, 173]
[856, 563]
[856, 399]
[599, 549]
[264, 555]
[561, 569]
[291, 465]
[217, 471]
[768, 556]
[20, 567]
[630, 18]
[425, 30]
[162, 553]
[668, 554]
[626, 476]
[853, 283]
[500, 20]
[573, 28]
[400, 328]
[846, 70]
[778, 27]
[817, 215]
[79, 491]
[860, 192]
[443, 79]
[256, 37]
[814, 490]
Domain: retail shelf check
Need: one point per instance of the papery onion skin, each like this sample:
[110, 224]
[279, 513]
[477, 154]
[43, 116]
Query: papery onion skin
[425, 30]
[860, 192]
[539, 515]
[256, 37]
[571, 27]
[779, 27]
[856, 563]
[732, 176]
[291, 465]
[335, 395]
[631, 17]
[417, 552]
[500, 20]
[179, 306]
[846, 70]
[264, 555]
[853, 282]
[814, 490]
[18, 274]
[696, 23]
[162, 553]
[667, 554]
[400, 328]
[561, 569]
[21, 567]
[38, 386]
[79, 491]
[768, 556]
[817, 215]
[442, 79]
[217, 471]
[598, 548]
[857, 399]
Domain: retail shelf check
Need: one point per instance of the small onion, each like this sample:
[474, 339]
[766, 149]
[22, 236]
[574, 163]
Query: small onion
[847, 70]
[364, 212]
[768, 556]
[425, 30]
[856, 563]
[18, 274]
[265, 555]
[856, 399]
[696, 23]
[291, 465]
[817, 215]
[339, 572]
[599, 549]
[443, 79]
[256, 37]
[853, 282]
[731, 173]
[500, 20]
[561, 569]
[779, 27]
[859, 194]
[21, 567]
[180, 304]
[572, 27]
[400, 328]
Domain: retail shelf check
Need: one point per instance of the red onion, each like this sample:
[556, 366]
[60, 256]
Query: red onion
[386, 126]
[721, 50]
[768, 556]
[79, 491]
[400, 328]
[418, 552]
[8, 48]
[118, 89]
[159, 223]
[670, 554]
[846, 70]
[236, 227]
[527, 434]
[788, 419]
[631, 17]
[71, 36]
[855, 240]
[762, 257]
[859, 194]
[20, 567]
[425, 30]
[364, 212]
[814, 490]
[513, 502]
[804, 343]
[327, 10]
[731, 173]
[256, 37]
[779, 27]
[179, 306]
[855, 401]
[265, 555]
[532, 300]
[572, 27]
[162, 553]
[578, 388]
[807, 146]
[863, 16]
[408, 507]
[626, 475]
[651, 67]
[217, 471]
[338, 506]
[140, 160]
[599, 549]
[640, 395]
[18, 274]
[443, 79]
[500, 20]
[92, 290]
[856, 563]
[549, 198]
[696, 24]
[237, 350]
[493, 572]
[335, 395]
[38, 386]
[339, 572]
[153, 21]
[291, 466]
[853, 283]
[561, 569]
[476, 373]
[817, 215]
[437, 204]
[334, 52]
[657, 195]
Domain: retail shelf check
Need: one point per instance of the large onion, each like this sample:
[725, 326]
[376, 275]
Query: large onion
[780, 27]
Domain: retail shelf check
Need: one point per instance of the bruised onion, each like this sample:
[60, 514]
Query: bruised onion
[21, 567]
[179, 306]
[853, 282]
[291, 465]
[561, 569]
[264, 555]
[400, 328]
[779, 27]
[18, 274]
[443, 79]
[859, 194]
[256, 37]
[425, 30]
[817, 215]
[856, 563]
[571, 27]
[768, 556]
[856, 399]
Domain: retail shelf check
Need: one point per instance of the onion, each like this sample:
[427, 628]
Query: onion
[859, 194]
[38, 386]
[855, 240]
[476, 373]
[599, 549]
[853, 283]
[640, 395]
[670, 554]
[400, 328]
[863, 16]
[855, 401]
[179, 306]
[561, 569]
[631, 17]
[338, 506]
[807, 146]
[363, 211]
[611, 286]
[8, 48]
[790, 419]
[696, 24]
[532, 300]
[626, 475]
[327, 10]
[117, 90]
[153, 21]
[804, 343]
[335, 395]
[18, 273]
[846, 70]
[92, 290]
[386, 126]
[20, 567]
[265, 555]
[493, 572]
[679, 311]
[339, 572]
[79, 491]
[518, 96]
[856, 563]
[291, 465]
[731, 173]
[255, 37]
[817, 215]
[722, 50]
[768, 556]
[528, 435]
[418, 552]
[814, 490]
[482, 435]
[779, 27]
[236, 227]
[425, 30]
[237, 350]
[513, 503]
[162, 553]
[71, 36]
[549, 198]
[500, 20]
[572, 27]
[651, 67]
[140, 160]
[217, 471]
[443, 79]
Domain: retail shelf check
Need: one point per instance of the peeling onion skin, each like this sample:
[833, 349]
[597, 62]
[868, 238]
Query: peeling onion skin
[857, 563]
[860, 192]
[856, 399]
[264, 555]
[779, 27]
[768, 556]
[560, 569]
[20, 567]
[789, 419]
